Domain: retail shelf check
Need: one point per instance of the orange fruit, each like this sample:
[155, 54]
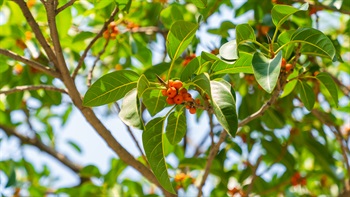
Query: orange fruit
[193, 110]
[177, 84]
[178, 99]
[170, 101]
[288, 67]
[171, 92]
[164, 92]
[187, 97]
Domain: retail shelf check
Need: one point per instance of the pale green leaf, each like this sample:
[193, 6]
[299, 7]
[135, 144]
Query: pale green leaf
[176, 127]
[329, 83]
[130, 111]
[307, 95]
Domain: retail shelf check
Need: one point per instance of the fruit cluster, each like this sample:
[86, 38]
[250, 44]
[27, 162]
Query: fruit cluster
[286, 66]
[298, 180]
[176, 94]
[183, 180]
[112, 31]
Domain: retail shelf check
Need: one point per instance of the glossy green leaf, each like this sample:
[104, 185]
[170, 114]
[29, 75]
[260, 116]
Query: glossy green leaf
[110, 88]
[199, 3]
[224, 105]
[90, 171]
[152, 140]
[266, 71]
[228, 51]
[314, 42]
[130, 111]
[244, 32]
[329, 83]
[176, 127]
[179, 37]
[202, 82]
[243, 64]
[280, 13]
[307, 95]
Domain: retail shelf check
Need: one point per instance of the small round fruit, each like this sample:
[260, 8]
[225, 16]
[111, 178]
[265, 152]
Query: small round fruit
[164, 92]
[187, 97]
[183, 91]
[171, 92]
[106, 34]
[112, 24]
[18, 69]
[288, 67]
[284, 62]
[198, 101]
[187, 106]
[170, 101]
[193, 110]
[170, 83]
[177, 84]
[178, 99]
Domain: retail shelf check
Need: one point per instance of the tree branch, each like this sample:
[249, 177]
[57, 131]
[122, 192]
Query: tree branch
[255, 168]
[40, 145]
[105, 25]
[214, 150]
[31, 63]
[320, 5]
[89, 77]
[36, 29]
[60, 9]
[33, 87]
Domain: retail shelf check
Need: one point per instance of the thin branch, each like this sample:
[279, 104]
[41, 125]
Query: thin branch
[40, 145]
[255, 168]
[89, 77]
[36, 29]
[31, 63]
[60, 9]
[33, 87]
[214, 150]
[105, 25]
[320, 5]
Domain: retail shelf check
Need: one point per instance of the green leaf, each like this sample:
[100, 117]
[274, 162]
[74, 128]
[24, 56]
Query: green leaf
[329, 83]
[228, 51]
[280, 13]
[152, 140]
[171, 14]
[314, 42]
[64, 22]
[243, 64]
[289, 87]
[266, 71]
[130, 111]
[244, 32]
[224, 105]
[202, 82]
[199, 3]
[102, 4]
[11, 179]
[75, 146]
[307, 95]
[177, 127]
[110, 88]
[190, 69]
[179, 37]
[90, 171]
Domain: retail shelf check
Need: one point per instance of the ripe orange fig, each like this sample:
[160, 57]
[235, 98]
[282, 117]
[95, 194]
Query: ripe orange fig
[170, 101]
[198, 101]
[183, 91]
[178, 99]
[288, 67]
[170, 83]
[177, 84]
[187, 97]
[171, 92]
[193, 110]
[284, 62]
[164, 92]
[18, 69]
[106, 34]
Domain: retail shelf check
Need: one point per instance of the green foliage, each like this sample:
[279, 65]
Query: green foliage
[285, 46]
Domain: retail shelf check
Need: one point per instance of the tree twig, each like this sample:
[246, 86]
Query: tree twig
[33, 87]
[60, 9]
[40, 145]
[31, 63]
[214, 150]
[89, 77]
[82, 58]
[255, 168]
[36, 29]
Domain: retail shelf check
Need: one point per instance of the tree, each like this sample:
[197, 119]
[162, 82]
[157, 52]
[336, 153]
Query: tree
[275, 92]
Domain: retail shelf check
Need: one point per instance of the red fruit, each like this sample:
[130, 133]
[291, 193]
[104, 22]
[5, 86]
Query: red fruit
[170, 83]
[303, 182]
[164, 92]
[187, 97]
[112, 24]
[177, 84]
[183, 91]
[178, 99]
[198, 101]
[284, 62]
[106, 34]
[289, 67]
[170, 101]
[171, 92]
[193, 110]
